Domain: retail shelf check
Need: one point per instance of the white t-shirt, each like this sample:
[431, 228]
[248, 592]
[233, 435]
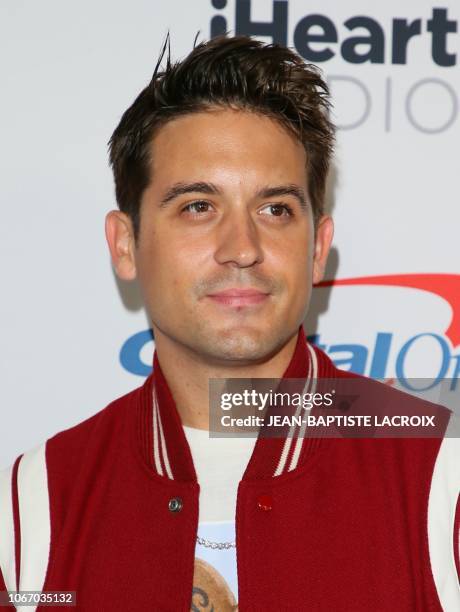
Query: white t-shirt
[219, 465]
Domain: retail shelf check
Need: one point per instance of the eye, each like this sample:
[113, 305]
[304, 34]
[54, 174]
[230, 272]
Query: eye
[200, 206]
[279, 210]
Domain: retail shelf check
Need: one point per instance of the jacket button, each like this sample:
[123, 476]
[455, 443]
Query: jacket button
[265, 502]
[175, 504]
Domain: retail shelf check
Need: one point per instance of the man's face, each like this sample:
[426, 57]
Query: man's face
[227, 210]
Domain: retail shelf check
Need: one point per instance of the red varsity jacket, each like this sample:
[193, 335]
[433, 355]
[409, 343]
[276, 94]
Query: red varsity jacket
[353, 524]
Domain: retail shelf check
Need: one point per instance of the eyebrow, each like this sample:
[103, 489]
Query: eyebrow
[209, 188]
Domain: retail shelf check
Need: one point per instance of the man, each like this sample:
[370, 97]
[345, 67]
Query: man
[220, 168]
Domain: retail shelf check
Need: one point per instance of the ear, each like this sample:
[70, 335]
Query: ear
[323, 239]
[120, 239]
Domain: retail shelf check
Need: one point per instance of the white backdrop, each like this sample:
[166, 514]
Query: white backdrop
[69, 70]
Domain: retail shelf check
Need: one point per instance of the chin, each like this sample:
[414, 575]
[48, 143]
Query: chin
[240, 343]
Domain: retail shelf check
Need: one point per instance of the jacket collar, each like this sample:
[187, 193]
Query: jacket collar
[164, 445]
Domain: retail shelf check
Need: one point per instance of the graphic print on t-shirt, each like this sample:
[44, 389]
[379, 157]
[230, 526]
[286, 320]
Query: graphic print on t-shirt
[215, 585]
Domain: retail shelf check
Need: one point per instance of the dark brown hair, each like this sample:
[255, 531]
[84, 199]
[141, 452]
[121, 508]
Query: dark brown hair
[235, 71]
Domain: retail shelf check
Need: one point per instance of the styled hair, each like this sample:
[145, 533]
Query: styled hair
[227, 71]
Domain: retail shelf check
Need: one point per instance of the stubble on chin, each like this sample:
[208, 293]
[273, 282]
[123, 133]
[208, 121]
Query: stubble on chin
[243, 344]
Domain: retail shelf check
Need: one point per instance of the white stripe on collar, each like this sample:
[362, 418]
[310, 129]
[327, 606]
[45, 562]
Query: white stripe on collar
[311, 380]
[164, 451]
[301, 434]
[159, 444]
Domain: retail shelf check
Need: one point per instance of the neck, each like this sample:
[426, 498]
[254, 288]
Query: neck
[187, 375]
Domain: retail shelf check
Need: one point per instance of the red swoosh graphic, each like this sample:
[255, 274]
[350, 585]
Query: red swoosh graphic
[446, 286]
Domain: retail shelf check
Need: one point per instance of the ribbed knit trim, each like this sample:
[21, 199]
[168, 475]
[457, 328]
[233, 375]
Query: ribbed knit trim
[267, 452]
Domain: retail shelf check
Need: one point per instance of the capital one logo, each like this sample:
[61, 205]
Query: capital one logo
[317, 38]
[371, 359]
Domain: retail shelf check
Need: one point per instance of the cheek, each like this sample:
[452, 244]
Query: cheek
[168, 265]
[188, 259]
[293, 260]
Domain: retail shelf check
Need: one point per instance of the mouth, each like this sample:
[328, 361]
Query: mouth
[239, 297]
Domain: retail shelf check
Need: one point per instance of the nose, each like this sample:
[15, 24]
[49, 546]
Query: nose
[238, 241]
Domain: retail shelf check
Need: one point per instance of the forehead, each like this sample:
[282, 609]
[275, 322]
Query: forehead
[230, 143]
